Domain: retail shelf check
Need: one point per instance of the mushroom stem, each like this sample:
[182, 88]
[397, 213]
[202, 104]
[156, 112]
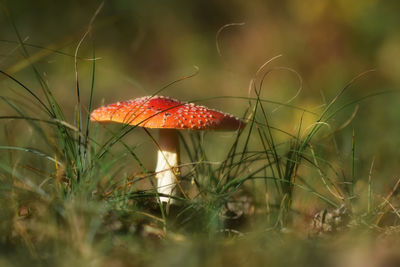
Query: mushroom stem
[167, 164]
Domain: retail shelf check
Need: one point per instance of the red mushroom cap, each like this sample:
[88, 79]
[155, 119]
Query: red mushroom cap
[164, 112]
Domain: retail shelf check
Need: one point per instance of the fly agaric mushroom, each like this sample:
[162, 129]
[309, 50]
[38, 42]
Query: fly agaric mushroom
[168, 115]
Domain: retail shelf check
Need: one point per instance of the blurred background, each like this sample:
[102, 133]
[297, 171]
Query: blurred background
[142, 46]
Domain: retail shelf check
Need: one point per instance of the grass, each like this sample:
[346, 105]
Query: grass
[72, 200]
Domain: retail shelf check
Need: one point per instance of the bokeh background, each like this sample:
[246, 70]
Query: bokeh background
[142, 46]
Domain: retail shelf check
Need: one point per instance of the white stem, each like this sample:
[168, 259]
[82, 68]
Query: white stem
[167, 164]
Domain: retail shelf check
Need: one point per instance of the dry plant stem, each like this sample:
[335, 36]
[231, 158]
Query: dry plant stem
[168, 164]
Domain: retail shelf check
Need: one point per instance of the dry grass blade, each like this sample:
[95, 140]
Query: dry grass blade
[220, 31]
[386, 201]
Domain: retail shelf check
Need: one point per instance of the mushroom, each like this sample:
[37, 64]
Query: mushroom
[168, 115]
